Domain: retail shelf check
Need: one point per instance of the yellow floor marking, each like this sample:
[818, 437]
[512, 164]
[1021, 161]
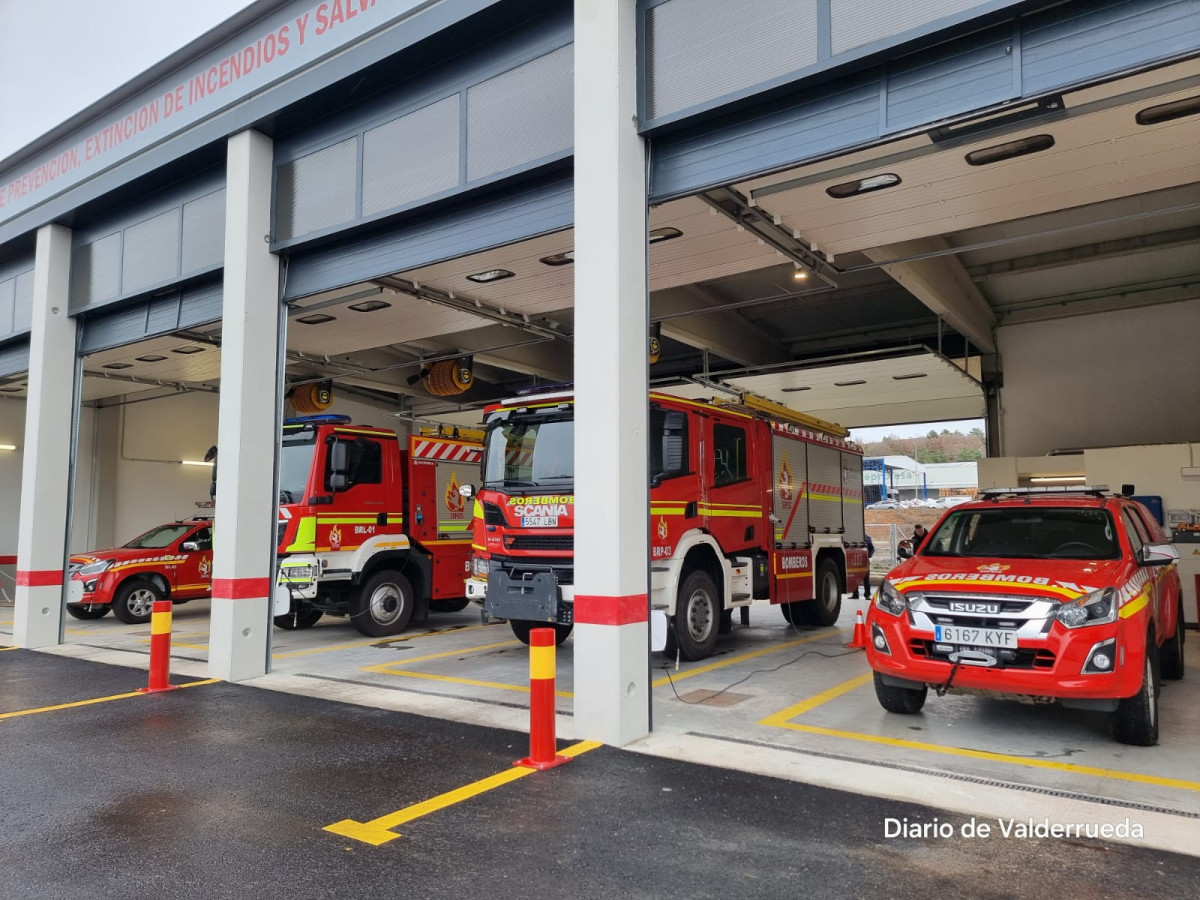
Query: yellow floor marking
[386, 668]
[378, 831]
[741, 657]
[471, 681]
[781, 720]
[371, 643]
[9, 648]
[42, 709]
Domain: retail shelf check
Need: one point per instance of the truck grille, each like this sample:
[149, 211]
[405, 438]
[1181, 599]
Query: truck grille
[1025, 658]
[564, 542]
[517, 569]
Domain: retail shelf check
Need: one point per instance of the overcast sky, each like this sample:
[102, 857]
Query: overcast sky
[59, 56]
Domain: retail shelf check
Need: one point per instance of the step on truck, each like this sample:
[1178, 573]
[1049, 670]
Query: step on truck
[748, 501]
[371, 526]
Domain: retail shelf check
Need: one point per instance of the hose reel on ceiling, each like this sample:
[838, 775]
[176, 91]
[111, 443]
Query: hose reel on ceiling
[447, 377]
[308, 399]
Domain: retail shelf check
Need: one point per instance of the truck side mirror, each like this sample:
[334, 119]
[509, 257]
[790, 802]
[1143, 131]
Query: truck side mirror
[339, 465]
[1158, 554]
[189, 546]
[211, 456]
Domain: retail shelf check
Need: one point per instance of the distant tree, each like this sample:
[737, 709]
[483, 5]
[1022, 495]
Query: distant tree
[968, 454]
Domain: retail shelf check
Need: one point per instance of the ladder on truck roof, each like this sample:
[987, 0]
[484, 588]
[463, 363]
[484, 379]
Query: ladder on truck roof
[762, 406]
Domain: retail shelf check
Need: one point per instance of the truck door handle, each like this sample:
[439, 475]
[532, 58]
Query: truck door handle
[689, 511]
[381, 519]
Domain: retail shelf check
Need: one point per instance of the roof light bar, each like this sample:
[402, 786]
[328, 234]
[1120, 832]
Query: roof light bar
[1096, 489]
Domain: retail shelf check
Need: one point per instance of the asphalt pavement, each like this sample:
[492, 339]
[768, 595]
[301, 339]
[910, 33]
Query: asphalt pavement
[223, 791]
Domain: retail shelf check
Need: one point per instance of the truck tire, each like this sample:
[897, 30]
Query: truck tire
[1170, 660]
[455, 605]
[304, 617]
[1136, 718]
[826, 604]
[905, 701]
[88, 610]
[522, 628]
[383, 605]
[697, 617]
[134, 600]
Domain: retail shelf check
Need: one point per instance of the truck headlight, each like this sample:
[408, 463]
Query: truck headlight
[479, 567]
[1097, 608]
[890, 600]
[97, 568]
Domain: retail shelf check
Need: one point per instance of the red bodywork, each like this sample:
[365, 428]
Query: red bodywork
[1048, 664]
[186, 574]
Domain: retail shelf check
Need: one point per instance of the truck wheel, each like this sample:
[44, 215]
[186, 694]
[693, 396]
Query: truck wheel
[455, 605]
[383, 605]
[522, 628]
[305, 617]
[88, 611]
[697, 616]
[1136, 719]
[134, 601]
[1170, 658]
[826, 604]
[899, 699]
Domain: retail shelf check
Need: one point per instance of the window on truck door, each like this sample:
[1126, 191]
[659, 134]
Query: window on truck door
[729, 454]
[365, 463]
[1133, 528]
[668, 444]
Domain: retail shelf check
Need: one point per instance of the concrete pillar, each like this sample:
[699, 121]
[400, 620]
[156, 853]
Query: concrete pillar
[46, 474]
[612, 685]
[248, 429]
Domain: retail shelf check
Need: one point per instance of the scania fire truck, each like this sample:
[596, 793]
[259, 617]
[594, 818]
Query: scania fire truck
[369, 527]
[748, 501]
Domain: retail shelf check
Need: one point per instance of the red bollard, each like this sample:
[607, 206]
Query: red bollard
[160, 648]
[542, 747]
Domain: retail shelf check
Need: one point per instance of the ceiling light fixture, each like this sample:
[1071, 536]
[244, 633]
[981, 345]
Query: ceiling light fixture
[863, 186]
[116, 366]
[666, 233]
[370, 305]
[11, 390]
[1010, 150]
[316, 319]
[793, 390]
[801, 274]
[1058, 479]
[150, 358]
[195, 462]
[188, 351]
[909, 375]
[8, 446]
[856, 381]
[1165, 112]
[489, 276]
[559, 259]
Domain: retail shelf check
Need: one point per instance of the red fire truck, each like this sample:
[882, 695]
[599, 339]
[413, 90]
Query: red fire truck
[1067, 594]
[370, 530]
[748, 501]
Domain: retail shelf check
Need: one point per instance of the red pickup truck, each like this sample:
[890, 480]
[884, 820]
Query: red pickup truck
[1037, 594]
[171, 561]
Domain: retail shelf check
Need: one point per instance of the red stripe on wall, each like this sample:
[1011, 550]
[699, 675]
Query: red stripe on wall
[8, 560]
[598, 610]
[241, 588]
[40, 577]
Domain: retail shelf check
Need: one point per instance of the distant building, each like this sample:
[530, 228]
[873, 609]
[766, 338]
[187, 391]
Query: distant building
[903, 478]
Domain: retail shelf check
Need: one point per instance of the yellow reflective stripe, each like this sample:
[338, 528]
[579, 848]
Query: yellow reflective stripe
[1133, 607]
[477, 547]
[666, 511]
[794, 575]
[306, 535]
[733, 505]
[477, 510]
[160, 623]
[378, 434]
[732, 513]
[1024, 586]
[541, 663]
[192, 587]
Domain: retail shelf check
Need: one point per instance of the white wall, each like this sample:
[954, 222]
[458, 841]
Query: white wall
[1104, 380]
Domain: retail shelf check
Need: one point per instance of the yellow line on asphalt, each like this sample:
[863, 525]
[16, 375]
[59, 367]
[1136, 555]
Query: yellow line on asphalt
[2, 649]
[378, 831]
[742, 657]
[385, 668]
[372, 643]
[781, 720]
[42, 709]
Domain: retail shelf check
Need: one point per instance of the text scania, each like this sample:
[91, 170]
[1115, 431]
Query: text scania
[541, 509]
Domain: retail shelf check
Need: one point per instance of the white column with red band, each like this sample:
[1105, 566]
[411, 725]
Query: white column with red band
[248, 432]
[46, 455]
[612, 699]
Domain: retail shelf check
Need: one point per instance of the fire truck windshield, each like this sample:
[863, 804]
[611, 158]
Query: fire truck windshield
[1026, 532]
[295, 461]
[530, 453]
[157, 538]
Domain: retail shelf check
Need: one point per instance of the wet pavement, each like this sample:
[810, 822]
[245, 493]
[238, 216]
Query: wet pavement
[223, 791]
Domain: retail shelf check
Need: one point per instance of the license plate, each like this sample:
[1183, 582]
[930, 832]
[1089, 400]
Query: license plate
[975, 637]
[539, 521]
